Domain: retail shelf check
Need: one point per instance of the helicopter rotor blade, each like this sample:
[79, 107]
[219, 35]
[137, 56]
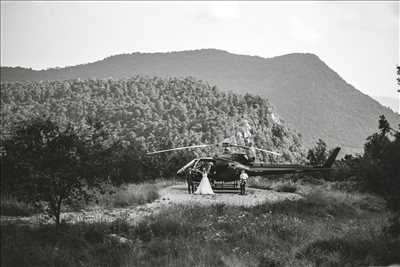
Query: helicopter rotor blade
[177, 148]
[259, 149]
[268, 151]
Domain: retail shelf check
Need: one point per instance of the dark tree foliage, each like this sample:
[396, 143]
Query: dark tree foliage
[377, 143]
[347, 169]
[378, 169]
[50, 166]
[318, 155]
[144, 114]
[381, 167]
[398, 75]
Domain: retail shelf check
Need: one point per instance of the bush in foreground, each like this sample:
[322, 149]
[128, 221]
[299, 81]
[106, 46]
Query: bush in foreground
[287, 187]
[13, 207]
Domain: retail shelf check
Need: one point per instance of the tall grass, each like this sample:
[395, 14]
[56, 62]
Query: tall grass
[124, 195]
[322, 229]
[128, 195]
[133, 194]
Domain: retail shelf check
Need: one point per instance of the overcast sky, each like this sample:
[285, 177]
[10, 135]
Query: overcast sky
[359, 40]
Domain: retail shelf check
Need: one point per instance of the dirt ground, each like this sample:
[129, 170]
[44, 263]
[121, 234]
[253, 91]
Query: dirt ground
[169, 196]
[177, 194]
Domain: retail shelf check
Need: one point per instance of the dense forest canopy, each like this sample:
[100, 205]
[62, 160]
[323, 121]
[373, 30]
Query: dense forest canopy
[150, 113]
[307, 94]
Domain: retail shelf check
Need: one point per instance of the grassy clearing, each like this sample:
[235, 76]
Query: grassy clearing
[302, 184]
[279, 185]
[133, 194]
[161, 183]
[125, 195]
[129, 195]
[324, 228]
[115, 197]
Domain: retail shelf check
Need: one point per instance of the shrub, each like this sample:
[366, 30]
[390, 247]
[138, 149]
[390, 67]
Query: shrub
[10, 206]
[259, 183]
[287, 187]
[347, 168]
[311, 180]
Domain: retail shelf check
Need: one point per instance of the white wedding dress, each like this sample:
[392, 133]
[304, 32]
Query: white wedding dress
[204, 187]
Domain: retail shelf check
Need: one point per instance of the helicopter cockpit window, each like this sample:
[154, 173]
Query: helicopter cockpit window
[203, 165]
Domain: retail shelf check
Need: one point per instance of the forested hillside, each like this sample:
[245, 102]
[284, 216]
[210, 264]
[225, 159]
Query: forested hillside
[311, 97]
[145, 114]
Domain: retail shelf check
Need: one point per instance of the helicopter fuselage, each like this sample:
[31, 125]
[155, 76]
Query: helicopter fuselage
[227, 168]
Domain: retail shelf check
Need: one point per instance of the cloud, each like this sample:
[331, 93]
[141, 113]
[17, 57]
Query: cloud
[302, 32]
[225, 11]
[220, 11]
[394, 8]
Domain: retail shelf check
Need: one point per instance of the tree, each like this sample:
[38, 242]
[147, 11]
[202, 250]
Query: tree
[377, 142]
[318, 154]
[50, 166]
[381, 168]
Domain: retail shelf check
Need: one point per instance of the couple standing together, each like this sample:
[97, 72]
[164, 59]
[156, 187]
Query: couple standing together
[205, 188]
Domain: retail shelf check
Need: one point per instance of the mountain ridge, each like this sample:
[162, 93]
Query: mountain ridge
[155, 53]
[310, 96]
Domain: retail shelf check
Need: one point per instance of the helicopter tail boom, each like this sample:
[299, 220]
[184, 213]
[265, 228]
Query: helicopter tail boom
[331, 158]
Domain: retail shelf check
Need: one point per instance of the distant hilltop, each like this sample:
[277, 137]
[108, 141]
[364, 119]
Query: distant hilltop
[309, 96]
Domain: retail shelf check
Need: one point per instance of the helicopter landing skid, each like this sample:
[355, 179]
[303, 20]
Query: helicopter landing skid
[226, 186]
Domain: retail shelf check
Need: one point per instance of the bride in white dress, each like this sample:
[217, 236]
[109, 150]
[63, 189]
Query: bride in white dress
[204, 186]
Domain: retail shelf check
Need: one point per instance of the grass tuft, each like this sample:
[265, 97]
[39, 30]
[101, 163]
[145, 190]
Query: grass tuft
[129, 195]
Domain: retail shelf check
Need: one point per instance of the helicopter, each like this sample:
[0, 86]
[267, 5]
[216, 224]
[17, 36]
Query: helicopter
[224, 170]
